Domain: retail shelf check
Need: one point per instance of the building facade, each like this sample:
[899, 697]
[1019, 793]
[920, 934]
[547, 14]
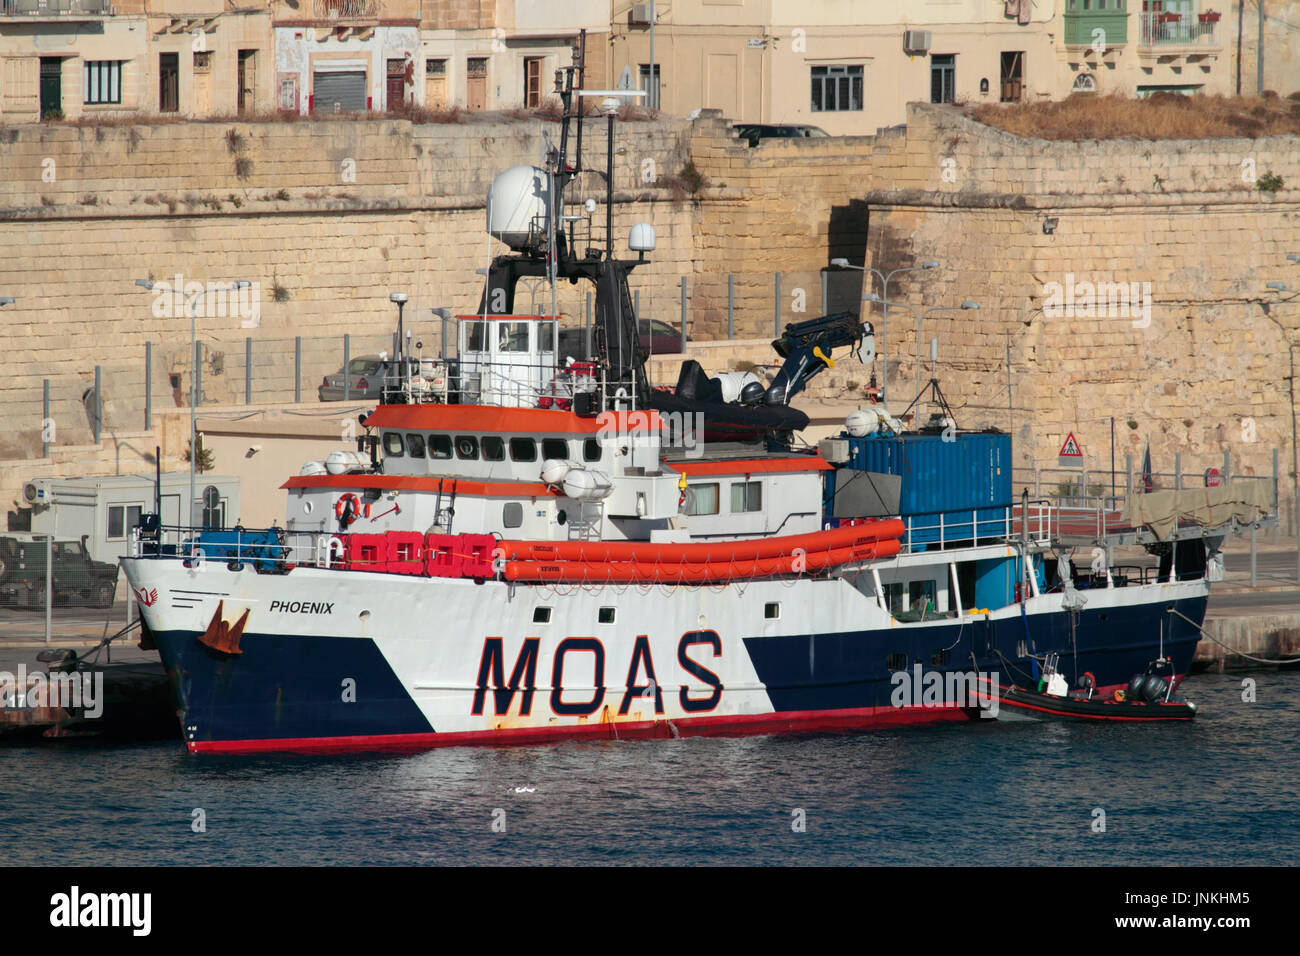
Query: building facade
[73, 59]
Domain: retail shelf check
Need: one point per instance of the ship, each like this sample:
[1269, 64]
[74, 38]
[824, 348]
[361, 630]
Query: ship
[521, 549]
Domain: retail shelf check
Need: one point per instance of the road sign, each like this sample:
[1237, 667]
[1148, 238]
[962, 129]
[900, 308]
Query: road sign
[1213, 478]
[1070, 455]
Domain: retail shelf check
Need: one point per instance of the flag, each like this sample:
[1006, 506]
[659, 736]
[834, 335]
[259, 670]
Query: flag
[1147, 484]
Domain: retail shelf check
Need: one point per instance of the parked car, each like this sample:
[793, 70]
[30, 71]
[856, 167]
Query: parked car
[658, 338]
[369, 373]
[366, 377]
[753, 132]
[76, 578]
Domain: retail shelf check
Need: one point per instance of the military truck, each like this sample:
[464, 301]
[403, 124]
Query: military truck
[77, 579]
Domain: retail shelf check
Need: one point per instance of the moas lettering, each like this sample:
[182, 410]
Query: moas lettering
[578, 667]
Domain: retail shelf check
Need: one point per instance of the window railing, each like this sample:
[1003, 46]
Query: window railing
[55, 8]
[346, 9]
[1178, 29]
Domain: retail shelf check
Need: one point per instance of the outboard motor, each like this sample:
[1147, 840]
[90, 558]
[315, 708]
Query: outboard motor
[1154, 689]
[1134, 692]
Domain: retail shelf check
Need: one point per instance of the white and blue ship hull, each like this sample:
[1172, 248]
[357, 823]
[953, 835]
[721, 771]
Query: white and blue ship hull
[331, 660]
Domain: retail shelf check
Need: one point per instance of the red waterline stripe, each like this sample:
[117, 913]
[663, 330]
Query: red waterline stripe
[796, 721]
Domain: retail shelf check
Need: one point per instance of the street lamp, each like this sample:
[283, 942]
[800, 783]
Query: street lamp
[884, 335]
[968, 304]
[1295, 451]
[194, 369]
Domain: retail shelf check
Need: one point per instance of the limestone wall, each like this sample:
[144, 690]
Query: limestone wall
[1008, 219]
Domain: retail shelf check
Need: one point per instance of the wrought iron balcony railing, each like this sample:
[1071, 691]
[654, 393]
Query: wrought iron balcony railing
[56, 8]
[346, 9]
[1179, 29]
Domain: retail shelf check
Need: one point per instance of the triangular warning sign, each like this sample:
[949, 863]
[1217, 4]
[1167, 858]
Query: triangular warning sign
[1070, 449]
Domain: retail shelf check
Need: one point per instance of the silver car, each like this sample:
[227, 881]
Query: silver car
[366, 380]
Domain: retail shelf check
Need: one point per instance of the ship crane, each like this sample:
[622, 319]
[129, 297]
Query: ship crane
[807, 347]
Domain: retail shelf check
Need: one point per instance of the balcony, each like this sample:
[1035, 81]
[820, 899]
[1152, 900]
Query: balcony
[1166, 30]
[38, 9]
[1081, 28]
[345, 11]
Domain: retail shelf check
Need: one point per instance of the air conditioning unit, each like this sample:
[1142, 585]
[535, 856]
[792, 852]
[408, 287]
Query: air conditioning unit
[38, 492]
[916, 41]
[639, 15]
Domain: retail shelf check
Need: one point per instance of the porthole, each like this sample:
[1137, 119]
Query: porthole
[606, 615]
[541, 615]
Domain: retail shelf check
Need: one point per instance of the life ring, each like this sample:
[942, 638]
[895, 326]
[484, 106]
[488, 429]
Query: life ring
[347, 508]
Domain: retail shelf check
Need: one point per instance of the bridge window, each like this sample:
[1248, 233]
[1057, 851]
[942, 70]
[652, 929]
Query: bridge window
[746, 496]
[512, 337]
[467, 447]
[439, 446]
[546, 337]
[523, 449]
[474, 337]
[541, 615]
[494, 449]
[393, 444]
[702, 499]
[415, 445]
[591, 450]
[772, 610]
[555, 448]
[606, 615]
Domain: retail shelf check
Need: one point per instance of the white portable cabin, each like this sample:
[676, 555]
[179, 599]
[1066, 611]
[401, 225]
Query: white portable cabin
[506, 360]
[107, 509]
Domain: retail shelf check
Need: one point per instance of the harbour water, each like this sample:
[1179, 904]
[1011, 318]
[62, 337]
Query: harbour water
[1219, 790]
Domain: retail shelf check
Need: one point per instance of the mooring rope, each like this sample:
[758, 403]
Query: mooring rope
[1201, 628]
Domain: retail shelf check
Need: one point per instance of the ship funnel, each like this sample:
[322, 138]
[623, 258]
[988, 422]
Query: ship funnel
[518, 207]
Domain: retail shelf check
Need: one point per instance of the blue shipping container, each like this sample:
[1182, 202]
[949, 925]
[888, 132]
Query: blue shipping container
[943, 481]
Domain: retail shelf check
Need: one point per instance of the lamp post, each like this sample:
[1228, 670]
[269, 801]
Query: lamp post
[1295, 452]
[194, 369]
[967, 305]
[884, 297]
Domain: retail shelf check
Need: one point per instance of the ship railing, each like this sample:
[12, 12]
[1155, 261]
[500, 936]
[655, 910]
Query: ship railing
[946, 529]
[503, 384]
[266, 549]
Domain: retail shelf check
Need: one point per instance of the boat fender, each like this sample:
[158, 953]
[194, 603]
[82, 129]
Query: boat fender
[347, 508]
